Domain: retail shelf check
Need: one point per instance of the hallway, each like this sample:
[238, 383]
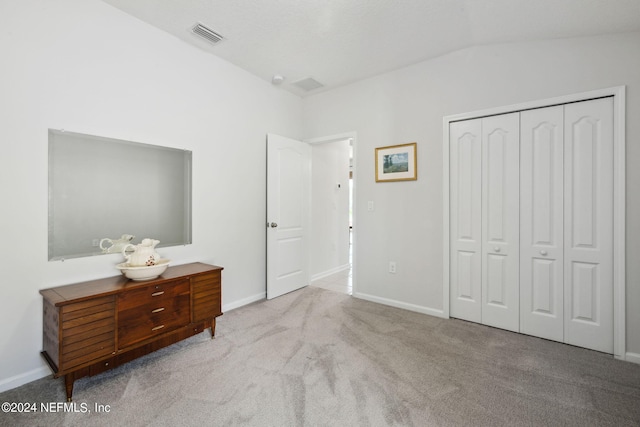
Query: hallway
[338, 282]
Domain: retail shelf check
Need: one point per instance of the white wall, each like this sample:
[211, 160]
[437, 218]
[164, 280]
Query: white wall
[408, 105]
[86, 67]
[329, 208]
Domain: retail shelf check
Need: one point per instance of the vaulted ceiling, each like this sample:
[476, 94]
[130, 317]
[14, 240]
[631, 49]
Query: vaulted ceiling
[336, 42]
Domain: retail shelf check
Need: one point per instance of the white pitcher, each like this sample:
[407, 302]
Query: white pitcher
[116, 245]
[143, 254]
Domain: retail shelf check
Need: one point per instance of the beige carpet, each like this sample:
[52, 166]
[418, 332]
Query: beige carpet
[320, 358]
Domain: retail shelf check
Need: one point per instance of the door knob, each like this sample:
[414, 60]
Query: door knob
[496, 249]
[543, 252]
[273, 225]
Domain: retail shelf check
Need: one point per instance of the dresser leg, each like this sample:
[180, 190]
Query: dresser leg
[213, 328]
[68, 384]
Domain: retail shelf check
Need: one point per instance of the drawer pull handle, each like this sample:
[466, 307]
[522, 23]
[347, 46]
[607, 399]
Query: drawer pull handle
[155, 294]
[157, 310]
[157, 327]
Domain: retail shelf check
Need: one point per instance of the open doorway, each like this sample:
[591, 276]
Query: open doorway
[332, 213]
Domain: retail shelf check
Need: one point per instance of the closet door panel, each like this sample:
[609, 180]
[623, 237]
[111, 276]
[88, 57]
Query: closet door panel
[500, 223]
[465, 211]
[541, 216]
[588, 205]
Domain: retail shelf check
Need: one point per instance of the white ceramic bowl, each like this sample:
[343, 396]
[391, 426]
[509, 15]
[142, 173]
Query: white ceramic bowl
[143, 272]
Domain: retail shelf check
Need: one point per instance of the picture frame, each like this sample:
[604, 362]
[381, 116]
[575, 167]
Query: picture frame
[397, 163]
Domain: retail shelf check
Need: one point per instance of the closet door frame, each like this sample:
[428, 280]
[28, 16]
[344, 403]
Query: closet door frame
[619, 298]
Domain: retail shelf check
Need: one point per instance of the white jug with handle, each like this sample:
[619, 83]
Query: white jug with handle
[143, 254]
[116, 245]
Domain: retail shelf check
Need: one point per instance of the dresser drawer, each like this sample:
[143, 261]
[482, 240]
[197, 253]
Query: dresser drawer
[206, 296]
[87, 331]
[152, 311]
[154, 294]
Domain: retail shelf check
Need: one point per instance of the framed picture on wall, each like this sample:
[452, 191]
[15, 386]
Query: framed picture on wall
[397, 163]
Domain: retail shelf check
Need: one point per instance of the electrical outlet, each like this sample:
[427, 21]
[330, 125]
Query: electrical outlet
[95, 243]
[392, 267]
[370, 206]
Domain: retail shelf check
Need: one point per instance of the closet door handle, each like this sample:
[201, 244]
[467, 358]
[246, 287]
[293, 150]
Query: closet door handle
[543, 252]
[496, 249]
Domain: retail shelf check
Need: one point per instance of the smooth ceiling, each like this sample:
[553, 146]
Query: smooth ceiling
[337, 42]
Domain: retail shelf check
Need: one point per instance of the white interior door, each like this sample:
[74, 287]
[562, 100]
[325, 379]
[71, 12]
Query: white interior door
[500, 221]
[288, 210]
[541, 222]
[588, 205]
[465, 144]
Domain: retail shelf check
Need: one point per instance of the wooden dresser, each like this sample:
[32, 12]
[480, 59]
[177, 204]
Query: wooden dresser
[94, 326]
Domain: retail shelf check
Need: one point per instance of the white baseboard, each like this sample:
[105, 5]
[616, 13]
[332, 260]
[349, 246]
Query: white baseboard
[632, 357]
[244, 301]
[400, 304]
[330, 272]
[36, 374]
[24, 378]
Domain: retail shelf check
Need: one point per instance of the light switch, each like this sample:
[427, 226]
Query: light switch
[370, 205]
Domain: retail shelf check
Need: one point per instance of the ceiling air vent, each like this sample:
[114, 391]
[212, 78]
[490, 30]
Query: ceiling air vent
[308, 84]
[207, 33]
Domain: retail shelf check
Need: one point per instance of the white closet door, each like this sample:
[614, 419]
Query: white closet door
[541, 222]
[465, 214]
[500, 221]
[588, 230]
